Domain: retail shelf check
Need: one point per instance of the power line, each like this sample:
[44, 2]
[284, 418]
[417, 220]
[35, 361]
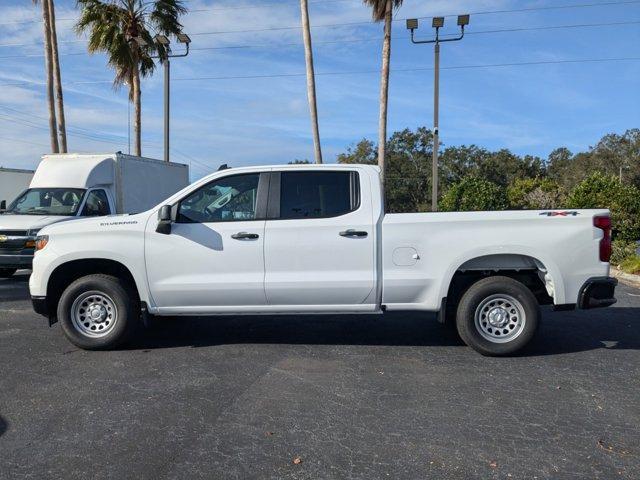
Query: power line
[358, 72]
[484, 12]
[8, 118]
[199, 10]
[9, 139]
[414, 69]
[369, 39]
[24, 119]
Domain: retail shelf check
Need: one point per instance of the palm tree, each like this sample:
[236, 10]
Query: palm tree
[122, 29]
[46, 25]
[311, 79]
[57, 79]
[383, 10]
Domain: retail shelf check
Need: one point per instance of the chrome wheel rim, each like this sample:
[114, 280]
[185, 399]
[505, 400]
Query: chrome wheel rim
[500, 318]
[94, 314]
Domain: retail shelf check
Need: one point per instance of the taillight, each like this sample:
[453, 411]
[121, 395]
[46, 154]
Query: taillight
[604, 224]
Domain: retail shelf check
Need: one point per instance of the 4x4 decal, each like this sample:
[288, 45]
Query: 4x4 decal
[563, 213]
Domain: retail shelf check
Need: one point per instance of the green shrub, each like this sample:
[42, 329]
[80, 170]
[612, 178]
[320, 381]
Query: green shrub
[605, 191]
[535, 194]
[474, 194]
[631, 265]
[621, 250]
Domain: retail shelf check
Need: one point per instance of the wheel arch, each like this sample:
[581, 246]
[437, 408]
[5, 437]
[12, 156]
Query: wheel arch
[64, 274]
[538, 273]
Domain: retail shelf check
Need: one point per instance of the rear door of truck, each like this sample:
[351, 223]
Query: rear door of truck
[319, 240]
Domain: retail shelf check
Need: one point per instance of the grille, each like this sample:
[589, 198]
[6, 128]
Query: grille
[13, 245]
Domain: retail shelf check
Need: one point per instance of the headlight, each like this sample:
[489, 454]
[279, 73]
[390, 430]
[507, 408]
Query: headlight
[32, 234]
[41, 242]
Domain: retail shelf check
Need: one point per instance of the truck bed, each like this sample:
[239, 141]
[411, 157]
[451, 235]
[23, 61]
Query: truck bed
[422, 251]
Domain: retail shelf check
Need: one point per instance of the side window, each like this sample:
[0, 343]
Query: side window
[97, 204]
[227, 199]
[318, 194]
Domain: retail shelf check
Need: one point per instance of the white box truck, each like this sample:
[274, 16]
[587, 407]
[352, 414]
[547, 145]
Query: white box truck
[68, 186]
[13, 182]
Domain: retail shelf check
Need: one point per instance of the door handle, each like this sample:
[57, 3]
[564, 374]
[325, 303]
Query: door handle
[353, 233]
[245, 236]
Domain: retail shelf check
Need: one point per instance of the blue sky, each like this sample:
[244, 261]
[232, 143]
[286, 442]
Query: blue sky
[530, 109]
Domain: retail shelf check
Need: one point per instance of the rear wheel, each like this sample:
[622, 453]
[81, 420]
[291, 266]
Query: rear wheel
[7, 272]
[497, 316]
[98, 312]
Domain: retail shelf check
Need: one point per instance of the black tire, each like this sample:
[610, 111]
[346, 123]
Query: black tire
[514, 313]
[99, 289]
[7, 272]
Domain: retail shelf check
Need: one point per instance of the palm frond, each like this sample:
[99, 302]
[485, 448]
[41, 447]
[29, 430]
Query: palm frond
[379, 8]
[165, 14]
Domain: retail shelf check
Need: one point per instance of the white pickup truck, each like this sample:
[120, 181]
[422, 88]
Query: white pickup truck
[316, 239]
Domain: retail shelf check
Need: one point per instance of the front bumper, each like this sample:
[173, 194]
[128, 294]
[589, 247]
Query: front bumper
[597, 292]
[21, 260]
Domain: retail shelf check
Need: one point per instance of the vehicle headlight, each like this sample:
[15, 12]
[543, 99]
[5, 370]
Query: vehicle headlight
[32, 234]
[41, 242]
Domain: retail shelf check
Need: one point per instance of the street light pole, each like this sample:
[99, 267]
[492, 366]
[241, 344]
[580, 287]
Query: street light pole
[437, 23]
[166, 57]
[167, 77]
[436, 114]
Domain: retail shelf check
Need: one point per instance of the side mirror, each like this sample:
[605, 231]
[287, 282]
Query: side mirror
[164, 220]
[3, 205]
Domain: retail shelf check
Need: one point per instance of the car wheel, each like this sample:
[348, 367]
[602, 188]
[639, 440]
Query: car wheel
[98, 312]
[497, 316]
[7, 272]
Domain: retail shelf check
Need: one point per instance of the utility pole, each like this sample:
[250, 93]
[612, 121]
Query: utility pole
[311, 80]
[437, 23]
[165, 57]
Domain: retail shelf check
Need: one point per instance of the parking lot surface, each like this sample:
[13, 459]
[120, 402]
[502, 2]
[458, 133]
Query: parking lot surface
[320, 397]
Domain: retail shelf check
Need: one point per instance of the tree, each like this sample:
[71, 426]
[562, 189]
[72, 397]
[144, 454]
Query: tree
[383, 10]
[606, 191]
[614, 154]
[535, 194]
[48, 61]
[57, 77]
[122, 29]
[474, 194]
[408, 170]
[311, 80]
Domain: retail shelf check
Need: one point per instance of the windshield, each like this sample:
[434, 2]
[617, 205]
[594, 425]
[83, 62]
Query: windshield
[47, 201]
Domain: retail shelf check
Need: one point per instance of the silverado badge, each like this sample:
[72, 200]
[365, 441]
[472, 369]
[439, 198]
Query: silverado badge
[3, 238]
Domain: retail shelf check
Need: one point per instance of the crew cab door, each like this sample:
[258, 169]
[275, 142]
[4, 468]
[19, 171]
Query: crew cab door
[213, 259]
[319, 241]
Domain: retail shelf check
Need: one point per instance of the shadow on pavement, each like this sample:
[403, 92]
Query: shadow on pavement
[3, 426]
[566, 332]
[15, 288]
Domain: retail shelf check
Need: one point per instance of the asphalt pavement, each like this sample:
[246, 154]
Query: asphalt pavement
[320, 397]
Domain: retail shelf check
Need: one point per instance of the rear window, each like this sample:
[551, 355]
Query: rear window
[318, 194]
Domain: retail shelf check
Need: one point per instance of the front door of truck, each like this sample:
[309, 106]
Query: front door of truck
[319, 240]
[213, 259]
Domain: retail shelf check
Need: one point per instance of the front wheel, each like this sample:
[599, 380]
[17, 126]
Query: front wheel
[7, 272]
[98, 312]
[497, 316]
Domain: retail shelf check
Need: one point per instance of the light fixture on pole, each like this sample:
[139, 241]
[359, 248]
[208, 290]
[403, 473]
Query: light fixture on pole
[164, 47]
[437, 23]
